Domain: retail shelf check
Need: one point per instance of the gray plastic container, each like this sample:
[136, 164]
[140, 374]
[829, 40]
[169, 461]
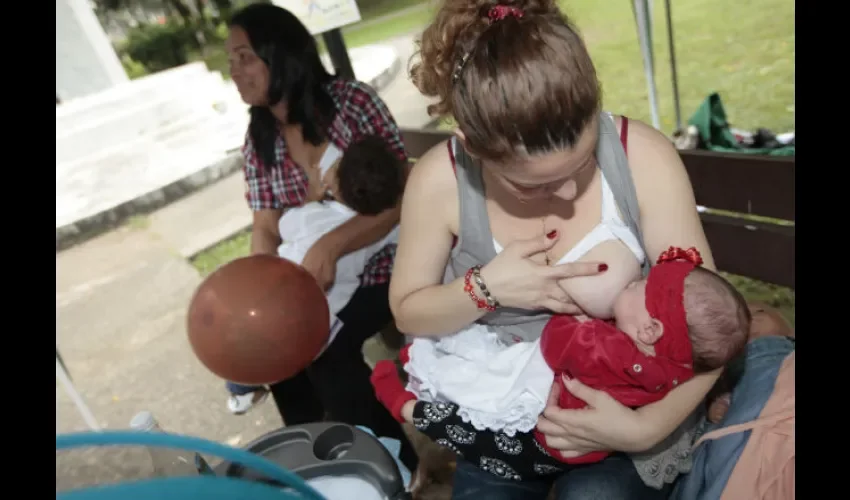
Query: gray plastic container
[326, 449]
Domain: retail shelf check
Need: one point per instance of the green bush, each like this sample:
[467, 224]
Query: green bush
[133, 68]
[160, 46]
[221, 32]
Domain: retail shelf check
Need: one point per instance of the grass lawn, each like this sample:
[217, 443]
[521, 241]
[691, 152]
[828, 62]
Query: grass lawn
[365, 32]
[743, 50]
[209, 260]
[380, 8]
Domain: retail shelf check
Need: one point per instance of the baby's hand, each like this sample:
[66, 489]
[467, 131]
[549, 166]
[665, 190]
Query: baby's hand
[581, 318]
[718, 408]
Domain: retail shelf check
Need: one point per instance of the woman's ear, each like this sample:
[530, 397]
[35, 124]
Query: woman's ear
[651, 331]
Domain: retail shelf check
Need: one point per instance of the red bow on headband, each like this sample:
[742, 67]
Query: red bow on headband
[675, 253]
[499, 12]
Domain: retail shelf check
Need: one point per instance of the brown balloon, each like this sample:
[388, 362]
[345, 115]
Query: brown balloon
[258, 320]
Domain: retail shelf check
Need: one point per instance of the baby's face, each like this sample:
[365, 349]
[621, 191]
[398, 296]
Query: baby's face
[631, 316]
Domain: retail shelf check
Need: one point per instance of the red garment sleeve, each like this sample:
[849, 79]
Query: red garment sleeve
[602, 357]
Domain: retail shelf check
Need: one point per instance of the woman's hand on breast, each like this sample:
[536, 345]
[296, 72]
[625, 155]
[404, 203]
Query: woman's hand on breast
[604, 425]
[516, 280]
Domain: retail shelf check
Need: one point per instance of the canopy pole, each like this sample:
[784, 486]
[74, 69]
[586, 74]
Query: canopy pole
[641, 11]
[673, 74]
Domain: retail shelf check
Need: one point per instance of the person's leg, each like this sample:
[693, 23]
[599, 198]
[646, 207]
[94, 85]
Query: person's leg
[341, 376]
[768, 328]
[517, 457]
[244, 397]
[473, 483]
[296, 400]
[614, 478]
[241, 390]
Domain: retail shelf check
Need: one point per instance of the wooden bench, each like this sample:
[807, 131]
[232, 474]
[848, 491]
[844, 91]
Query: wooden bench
[750, 201]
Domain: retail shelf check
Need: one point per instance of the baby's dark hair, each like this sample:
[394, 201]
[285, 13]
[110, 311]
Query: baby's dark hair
[718, 319]
[370, 178]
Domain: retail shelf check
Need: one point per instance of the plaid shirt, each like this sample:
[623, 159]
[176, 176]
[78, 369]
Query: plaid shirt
[360, 112]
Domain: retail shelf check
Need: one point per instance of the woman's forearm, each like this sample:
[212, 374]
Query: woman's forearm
[663, 417]
[264, 241]
[436, 311]
[360, 231]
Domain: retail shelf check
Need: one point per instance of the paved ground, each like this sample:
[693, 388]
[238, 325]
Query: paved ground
[121, 301]
[408, 106]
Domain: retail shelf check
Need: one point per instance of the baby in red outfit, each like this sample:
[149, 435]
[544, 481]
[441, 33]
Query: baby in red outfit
[680, 320]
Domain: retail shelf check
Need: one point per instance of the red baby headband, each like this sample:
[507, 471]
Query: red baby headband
[665, 289]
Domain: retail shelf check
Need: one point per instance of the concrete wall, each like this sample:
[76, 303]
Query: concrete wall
[86, 63]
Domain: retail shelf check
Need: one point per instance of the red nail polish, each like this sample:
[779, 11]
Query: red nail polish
[551, 234]
[603, 267]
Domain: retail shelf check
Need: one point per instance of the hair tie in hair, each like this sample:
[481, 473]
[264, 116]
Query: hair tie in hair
[499, 12]
[496, 13]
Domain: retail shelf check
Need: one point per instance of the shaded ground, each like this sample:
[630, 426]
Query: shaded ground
[121, 301]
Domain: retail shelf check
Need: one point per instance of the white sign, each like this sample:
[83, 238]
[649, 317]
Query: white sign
[322, 15]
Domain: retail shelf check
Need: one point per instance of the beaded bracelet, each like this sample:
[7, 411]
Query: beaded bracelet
[488, 302]
[476, 275]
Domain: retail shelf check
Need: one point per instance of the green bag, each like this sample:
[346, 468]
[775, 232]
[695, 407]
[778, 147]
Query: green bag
[716, 135]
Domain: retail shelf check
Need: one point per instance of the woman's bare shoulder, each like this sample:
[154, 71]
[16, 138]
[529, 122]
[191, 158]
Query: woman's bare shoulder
[431, 189]
[432, 175]
[650, 152]
[665, 195]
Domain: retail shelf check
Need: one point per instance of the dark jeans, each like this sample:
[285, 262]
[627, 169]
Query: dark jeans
[239, 389]
[615, 478]
[338, 382]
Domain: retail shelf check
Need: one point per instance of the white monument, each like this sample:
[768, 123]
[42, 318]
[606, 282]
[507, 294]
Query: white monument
[86, 63]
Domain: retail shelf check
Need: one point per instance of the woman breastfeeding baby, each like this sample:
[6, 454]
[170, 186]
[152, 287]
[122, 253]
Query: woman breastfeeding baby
[543, 204]
[680, 320]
